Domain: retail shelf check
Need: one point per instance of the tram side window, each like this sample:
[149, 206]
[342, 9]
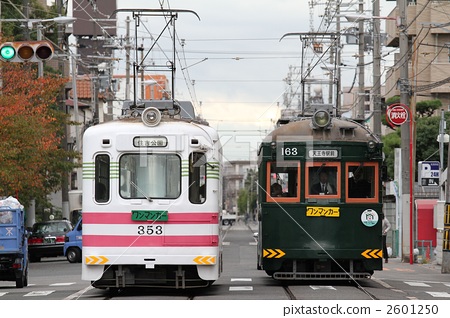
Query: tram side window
[102, 170]
[197, 177]
[322, 180]
[283, 180]
[361, 181]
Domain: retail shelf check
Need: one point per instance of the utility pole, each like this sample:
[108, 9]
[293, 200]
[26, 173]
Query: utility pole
[445, 268]
[376, 95]
[361, 88]
[127, 59]
[338, 59]
[407, 169]
[62, 105]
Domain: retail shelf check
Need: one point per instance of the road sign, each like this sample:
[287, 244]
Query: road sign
[429, 173]
[397, 114]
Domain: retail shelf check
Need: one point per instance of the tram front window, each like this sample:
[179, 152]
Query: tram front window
[323, 180]
[283, 180]
[150, 176]
[361, 181]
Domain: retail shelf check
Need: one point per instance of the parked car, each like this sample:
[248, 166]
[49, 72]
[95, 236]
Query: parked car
[47, 239]
[73, 243]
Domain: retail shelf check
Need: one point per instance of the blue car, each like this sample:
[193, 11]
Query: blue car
[73, 243]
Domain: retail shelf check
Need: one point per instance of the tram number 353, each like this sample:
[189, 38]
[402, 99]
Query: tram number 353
[150, 230]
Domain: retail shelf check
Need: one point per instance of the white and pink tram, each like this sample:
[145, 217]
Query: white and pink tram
[151, 199]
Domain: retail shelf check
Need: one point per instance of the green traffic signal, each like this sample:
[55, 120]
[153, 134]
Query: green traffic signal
[26, 51]
[7, 52]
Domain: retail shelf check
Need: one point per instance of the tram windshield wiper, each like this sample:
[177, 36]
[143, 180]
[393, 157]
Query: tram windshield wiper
[140, 191]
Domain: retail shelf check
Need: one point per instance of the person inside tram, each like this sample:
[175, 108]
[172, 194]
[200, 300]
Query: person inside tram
[276, 190]
[323, 186]
[358, 186]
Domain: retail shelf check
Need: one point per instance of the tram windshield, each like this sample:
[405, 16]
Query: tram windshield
[361, 180]
[150, 176]
[284, 181]
[323, 179]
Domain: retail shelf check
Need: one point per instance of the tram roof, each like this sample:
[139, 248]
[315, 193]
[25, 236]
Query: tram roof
[338, 130]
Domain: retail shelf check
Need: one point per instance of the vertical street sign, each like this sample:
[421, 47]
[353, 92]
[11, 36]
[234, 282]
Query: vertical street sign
[429, 173]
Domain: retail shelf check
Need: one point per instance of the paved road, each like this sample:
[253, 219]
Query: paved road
[55, 278]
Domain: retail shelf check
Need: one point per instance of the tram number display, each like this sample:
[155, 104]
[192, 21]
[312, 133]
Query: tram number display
[149, 215]
[289, 151]
[150, 230]
[322, 211]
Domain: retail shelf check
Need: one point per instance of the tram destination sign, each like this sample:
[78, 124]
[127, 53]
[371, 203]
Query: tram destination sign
[323, 153]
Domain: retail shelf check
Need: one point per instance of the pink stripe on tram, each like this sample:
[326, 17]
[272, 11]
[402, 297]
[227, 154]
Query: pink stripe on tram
[174, 218]
[145, 241]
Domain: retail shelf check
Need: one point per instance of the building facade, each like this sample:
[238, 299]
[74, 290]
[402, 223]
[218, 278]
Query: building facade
[429, 48]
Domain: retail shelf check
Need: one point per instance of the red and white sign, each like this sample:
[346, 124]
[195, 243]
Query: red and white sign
[397, 114]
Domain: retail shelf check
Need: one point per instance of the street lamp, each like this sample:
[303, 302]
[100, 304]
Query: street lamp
[61, 20]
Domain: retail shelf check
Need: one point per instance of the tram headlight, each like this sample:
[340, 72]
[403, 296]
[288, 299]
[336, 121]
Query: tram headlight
[371, 145]
[273, 145]
[321, 119]
[151, 116]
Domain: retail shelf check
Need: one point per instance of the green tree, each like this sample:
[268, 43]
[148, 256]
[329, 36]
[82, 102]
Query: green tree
[427, 108]
[426, 146]
[248, 195]
[390, 142]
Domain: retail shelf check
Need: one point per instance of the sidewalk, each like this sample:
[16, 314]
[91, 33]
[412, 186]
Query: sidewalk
[398, 270]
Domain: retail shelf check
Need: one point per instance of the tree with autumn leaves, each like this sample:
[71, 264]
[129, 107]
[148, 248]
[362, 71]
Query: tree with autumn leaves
[32, 161]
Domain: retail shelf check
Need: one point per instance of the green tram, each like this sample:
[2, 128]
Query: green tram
[320, 200]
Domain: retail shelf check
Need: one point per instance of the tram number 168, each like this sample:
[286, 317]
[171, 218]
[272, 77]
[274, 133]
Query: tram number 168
[150, 230]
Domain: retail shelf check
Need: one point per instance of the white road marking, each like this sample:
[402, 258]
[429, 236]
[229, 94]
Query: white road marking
[439, 294]
[241, 279]
[62, 284]
[241, 288]
[322, 287]
[39, 293]
[417, 284]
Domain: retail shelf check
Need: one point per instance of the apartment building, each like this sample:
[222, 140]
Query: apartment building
[428, 29]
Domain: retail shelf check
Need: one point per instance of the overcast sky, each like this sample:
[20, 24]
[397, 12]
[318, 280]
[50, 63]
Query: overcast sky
[235, 59]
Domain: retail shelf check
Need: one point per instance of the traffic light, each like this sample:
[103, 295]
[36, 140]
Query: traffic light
[26, 51]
